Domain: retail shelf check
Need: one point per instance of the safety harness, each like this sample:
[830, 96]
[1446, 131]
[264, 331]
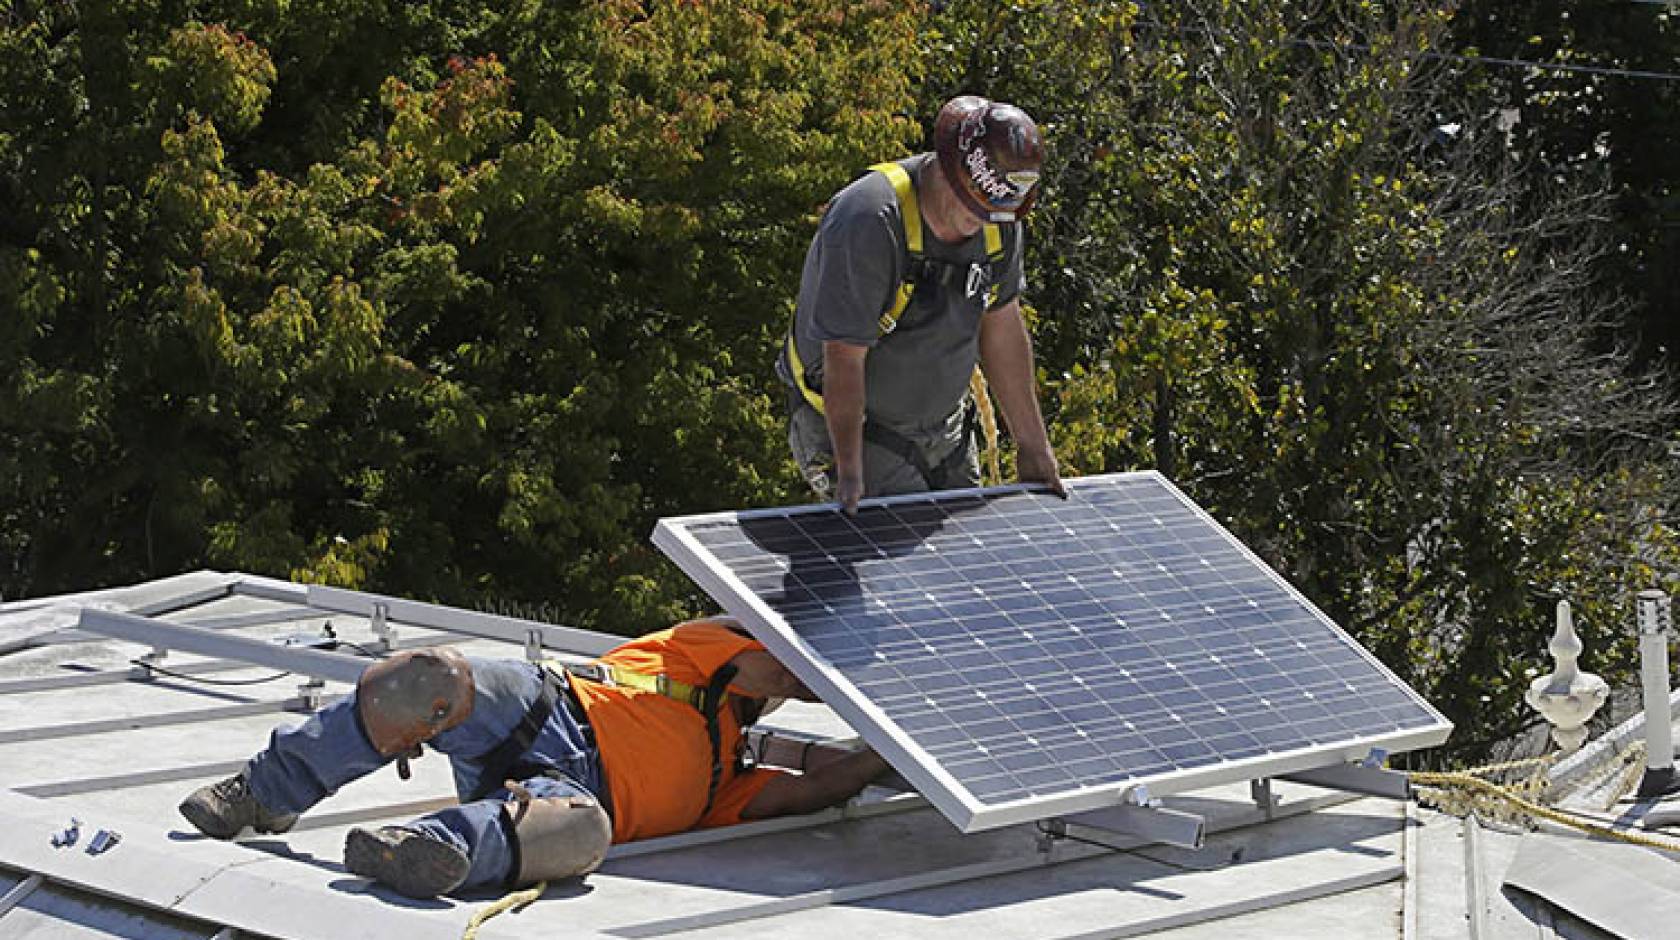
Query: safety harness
[919, 269]
[708, 699]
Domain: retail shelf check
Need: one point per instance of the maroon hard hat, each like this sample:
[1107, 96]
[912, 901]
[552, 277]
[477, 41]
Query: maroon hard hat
[991, 153]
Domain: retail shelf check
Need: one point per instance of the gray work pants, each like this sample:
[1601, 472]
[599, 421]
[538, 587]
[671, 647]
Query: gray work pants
[948, 449]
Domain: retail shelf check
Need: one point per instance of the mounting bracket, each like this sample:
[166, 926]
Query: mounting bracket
[1147, 823]
[312, 693]
[379, 620]
[1368, 777]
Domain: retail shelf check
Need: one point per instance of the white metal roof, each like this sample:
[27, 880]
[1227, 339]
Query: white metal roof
[83, 735]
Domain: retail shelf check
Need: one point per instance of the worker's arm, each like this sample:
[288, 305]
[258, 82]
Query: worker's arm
[833, 782]
[1006, 356]
[761, 675]
[843, 405]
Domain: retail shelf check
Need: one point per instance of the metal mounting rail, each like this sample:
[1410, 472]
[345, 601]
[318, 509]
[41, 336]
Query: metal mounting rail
[336, 667]
[290, 614]
[457, 620]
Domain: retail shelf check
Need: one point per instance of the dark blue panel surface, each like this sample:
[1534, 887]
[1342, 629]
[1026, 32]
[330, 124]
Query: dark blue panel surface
[1033, 645]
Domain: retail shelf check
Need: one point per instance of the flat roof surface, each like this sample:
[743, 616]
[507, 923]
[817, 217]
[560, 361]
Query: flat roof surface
[83, 735]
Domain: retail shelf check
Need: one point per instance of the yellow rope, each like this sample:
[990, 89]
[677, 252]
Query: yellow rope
[988, 426]
[1483, 770]
[516, 899]
[1462, 780]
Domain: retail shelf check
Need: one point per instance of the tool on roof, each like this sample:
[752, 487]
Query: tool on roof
[69, 834]
[103, 840]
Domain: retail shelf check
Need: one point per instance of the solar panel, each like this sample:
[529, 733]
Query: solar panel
[1019, 656]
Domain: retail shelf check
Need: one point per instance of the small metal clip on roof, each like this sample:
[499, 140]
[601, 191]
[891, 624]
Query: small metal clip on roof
[311, 693]
[379, 622]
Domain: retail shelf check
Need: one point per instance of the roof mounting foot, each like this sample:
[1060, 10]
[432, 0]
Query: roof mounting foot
[1260, 791]
[144, 664]
[379, 620]
[311, 693]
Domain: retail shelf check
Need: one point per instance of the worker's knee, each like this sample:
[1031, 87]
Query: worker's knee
[412, 697]
[557, 837]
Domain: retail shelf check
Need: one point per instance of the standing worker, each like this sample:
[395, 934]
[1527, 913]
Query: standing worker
[913, 279]
[550, 767]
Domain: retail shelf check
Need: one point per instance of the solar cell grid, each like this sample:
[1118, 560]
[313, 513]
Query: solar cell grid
[1028, 646]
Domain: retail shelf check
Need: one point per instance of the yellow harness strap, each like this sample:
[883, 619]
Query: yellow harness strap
[910, 210]
[797, 367]
[608, 674]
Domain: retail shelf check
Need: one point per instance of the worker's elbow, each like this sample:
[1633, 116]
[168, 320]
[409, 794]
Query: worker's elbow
[844, 356]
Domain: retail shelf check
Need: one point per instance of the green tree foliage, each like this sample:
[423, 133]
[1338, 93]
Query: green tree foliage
[1589, 118]
[451, 300]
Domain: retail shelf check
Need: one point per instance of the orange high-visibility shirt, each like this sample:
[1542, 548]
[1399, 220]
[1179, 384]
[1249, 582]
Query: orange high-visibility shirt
[654, 750]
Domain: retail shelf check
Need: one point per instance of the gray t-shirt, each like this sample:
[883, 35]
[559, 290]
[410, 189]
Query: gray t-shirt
[915, 376]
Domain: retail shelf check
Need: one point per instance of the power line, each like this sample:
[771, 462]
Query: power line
[1495, 60]
[1460, 57]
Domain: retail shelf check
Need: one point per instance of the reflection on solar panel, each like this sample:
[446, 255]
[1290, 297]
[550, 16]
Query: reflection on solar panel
[1019, 656]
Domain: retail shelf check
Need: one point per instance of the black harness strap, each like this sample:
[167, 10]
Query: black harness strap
[501, 760]
[907, 451]
[711, 699]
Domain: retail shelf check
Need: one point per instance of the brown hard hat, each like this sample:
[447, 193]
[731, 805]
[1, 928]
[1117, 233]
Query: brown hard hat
[991, 153]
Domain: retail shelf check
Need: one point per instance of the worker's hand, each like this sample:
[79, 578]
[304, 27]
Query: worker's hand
[848, 489]
[1040, 467]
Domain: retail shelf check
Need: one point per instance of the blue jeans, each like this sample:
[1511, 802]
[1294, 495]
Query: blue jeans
[305, 764]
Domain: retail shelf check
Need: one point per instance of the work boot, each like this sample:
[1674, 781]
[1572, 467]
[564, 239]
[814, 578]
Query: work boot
[412, 862]
[220, 810]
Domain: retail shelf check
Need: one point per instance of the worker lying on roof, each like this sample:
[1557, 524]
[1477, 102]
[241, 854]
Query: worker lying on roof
[551, 768]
